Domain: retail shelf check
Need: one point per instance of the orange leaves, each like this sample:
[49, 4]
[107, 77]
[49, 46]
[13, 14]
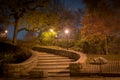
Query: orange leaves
[93, 26]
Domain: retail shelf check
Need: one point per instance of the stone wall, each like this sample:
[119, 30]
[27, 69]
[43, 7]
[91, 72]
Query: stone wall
[77, 66]
[16, 70]
[61, 52]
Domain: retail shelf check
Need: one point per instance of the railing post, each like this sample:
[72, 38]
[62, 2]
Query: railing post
[75, 68]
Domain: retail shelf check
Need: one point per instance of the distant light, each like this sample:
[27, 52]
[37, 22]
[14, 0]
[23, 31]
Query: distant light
[6, 31]
[56, 36]
[66, 31]
[51, 30]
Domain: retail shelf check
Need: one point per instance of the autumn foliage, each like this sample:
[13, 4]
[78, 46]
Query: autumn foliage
[100, 29]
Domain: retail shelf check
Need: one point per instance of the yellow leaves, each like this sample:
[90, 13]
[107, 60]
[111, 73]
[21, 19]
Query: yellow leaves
[47, 35]
[35, 19]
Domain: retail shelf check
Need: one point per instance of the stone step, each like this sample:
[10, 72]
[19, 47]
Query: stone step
[40, 54]
[58, 74]
[50, 74]
[51, 58]
[53, 63]
[52, 70]
[43, 53]
[27, 75]
[53, 67]
[48, 55]
[55, 60]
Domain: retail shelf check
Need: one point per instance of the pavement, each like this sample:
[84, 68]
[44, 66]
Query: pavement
[66, 78]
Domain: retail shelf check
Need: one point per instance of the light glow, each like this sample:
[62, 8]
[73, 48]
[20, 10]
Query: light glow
[51, 30]
[6, 31]
[66, 31]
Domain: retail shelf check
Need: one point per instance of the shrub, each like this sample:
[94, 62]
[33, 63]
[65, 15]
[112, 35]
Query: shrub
[87, 46]
[12, 54]
[65, 44]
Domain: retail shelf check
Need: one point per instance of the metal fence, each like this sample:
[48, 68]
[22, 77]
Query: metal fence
[110, 67]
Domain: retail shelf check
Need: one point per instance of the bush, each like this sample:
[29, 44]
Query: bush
[12, 54]
[94, 46]
[64, 44]
[83, 46]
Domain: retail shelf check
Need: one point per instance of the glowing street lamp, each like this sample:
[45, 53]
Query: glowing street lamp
[51, 30]
[6, 31]
[66, 32]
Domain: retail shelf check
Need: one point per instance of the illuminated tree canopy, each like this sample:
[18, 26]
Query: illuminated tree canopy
[17, 9]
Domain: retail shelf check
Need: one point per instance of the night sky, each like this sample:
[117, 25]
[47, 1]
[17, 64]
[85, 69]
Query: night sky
[70, 4]
[74, 4]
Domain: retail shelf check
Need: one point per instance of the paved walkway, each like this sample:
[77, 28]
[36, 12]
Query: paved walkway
[67, 78]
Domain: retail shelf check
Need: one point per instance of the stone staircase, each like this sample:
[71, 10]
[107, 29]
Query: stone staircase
[54, 65]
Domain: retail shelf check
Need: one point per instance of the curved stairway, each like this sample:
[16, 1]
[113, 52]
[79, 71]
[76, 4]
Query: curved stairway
[55, 65]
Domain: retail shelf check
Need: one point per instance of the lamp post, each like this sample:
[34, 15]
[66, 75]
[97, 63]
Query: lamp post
[51, 30]
[6, 33]
[66, 32]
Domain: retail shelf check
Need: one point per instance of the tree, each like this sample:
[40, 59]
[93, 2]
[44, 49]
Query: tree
[65, 17]
[100, 21]
[47, 37]
[17, 9]
[29, 36]
[55, 17]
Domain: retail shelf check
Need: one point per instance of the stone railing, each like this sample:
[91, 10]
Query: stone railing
[61, 52]
[76, 66]
[16, 70]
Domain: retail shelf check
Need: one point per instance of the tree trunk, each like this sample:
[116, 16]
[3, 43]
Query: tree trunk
[106, 45]
[15, 32]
